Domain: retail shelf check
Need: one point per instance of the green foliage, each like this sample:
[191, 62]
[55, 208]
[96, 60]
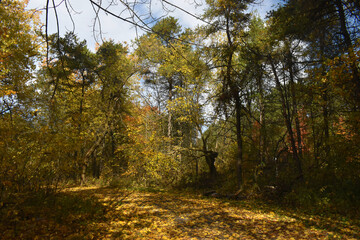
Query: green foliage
[167, 29]
[19, 50]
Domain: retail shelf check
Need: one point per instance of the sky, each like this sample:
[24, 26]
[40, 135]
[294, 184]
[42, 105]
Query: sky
[120, 31]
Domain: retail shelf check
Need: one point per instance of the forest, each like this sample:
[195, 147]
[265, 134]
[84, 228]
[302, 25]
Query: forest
[241, 116]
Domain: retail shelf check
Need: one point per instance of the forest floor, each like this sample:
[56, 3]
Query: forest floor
[110, 213]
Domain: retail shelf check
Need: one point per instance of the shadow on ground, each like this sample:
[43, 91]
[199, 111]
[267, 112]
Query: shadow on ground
[175, 216]
[64, 215]
[109, 213]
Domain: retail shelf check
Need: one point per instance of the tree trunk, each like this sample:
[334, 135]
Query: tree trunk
[83, 174]
[169, 111]
[84, 164]
[326, 123]
[350, 51]
[210, 158]
[295, 105]
[286, 115]
[262, 137]
[238, 108]
[325, 98]
[88, 154]
[239, 158]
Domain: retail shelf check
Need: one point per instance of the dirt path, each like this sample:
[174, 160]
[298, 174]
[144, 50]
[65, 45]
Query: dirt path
[105, 213]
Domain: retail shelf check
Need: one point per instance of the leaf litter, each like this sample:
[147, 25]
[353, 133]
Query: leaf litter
[124, 214]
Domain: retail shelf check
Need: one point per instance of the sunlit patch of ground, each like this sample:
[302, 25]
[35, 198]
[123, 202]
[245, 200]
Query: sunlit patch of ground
[142, 215]
[121, 214]
[77, 189]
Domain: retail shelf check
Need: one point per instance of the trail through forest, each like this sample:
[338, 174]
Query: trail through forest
[110, 213]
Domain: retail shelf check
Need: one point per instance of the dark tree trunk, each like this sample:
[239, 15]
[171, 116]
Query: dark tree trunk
[210, 157]
[239, 159]
[170, 115]
[84, 163]
[286, 115]
[350, 50]
[295, 105]
[262, 138]
[96, 166]
[229, 82]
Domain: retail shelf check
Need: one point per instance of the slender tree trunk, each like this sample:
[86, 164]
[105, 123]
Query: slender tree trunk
[350, 50]
[235, 95]
[83, 174]
[286, 115]
[169, 111]
[326, 121]
[295, 105]
[314, 137]
[325, 98]
[197, 168]
[239, 159]
[262, 138]
[84, 163]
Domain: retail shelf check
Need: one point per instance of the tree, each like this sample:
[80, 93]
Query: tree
[157, 55]
[19, 50]
[114, 78]
[229, 18]
[331, 26]
[72, 76]
[313, 64]
[86, 97]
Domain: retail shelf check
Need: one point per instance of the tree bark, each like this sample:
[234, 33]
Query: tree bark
[210, 157]
[239, 159]
[88, 155]
[350, 51]
[235, 95]
[286, 115]
[83, 164]
[170, 116]
[295, 105]
[262, 137]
